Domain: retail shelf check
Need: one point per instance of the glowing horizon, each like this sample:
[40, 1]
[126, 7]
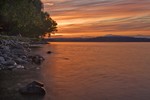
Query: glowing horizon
[100, 17]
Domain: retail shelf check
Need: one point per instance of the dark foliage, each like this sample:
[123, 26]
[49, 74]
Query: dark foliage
[25, 17]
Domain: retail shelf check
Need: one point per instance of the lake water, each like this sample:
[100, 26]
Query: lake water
[96, 71]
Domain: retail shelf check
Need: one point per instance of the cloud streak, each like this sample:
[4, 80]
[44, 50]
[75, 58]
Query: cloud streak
[100, 17]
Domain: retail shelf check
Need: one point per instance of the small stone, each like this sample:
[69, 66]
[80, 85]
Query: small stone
[49, 52]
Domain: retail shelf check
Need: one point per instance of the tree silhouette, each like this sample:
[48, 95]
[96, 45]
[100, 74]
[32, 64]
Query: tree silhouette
[25, 17]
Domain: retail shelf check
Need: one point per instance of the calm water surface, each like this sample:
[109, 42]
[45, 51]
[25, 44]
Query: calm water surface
[97, 71]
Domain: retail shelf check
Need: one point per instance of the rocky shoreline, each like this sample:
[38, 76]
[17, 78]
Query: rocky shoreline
[16, 54]
[18, 67]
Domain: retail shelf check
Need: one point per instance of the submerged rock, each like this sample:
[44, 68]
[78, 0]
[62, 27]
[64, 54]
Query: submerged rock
[33, 88]
[49, 52]
[37, 59]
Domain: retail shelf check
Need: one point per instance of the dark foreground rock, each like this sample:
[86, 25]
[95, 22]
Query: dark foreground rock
[34, 88]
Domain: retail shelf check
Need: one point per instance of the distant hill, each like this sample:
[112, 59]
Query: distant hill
[107, 38]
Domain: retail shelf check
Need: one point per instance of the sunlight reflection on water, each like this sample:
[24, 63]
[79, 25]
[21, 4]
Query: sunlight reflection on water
[97, 71]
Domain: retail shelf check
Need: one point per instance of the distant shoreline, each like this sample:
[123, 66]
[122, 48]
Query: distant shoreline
[100, 39]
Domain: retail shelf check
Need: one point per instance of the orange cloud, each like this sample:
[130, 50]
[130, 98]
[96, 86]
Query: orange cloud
[100, 17]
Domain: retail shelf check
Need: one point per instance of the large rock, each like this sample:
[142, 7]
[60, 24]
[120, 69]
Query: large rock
[34, 88]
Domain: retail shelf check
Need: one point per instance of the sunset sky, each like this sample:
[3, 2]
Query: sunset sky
[84, 18]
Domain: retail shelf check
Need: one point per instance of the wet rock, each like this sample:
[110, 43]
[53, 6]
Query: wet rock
[34, 88]
[37, 59]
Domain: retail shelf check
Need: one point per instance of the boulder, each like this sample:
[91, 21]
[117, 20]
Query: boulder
[33, 88]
